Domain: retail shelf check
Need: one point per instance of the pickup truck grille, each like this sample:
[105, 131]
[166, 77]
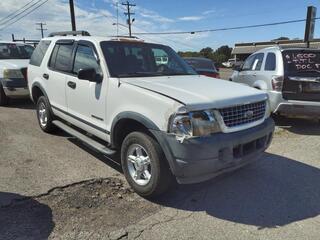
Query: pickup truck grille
[243, 114]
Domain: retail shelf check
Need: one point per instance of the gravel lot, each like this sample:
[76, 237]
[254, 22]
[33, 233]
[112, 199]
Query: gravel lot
[52, 186]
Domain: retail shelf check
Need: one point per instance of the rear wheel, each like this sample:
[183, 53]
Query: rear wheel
[144, 165]
[3, 98]
[44, 115]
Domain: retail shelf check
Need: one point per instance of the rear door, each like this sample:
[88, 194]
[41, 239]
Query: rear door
[59, 67]
[301, 75]
[247, 75]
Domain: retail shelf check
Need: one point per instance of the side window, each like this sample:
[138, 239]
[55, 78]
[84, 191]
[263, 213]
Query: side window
[39, 52]
[248, 63]
[85, 58]
[257, 62]
[61, 57]
[270, 62]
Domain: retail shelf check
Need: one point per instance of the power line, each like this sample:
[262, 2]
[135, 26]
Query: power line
[18, 14]
[32, 10]
[41, 24]
[13, 13]
[223, 29]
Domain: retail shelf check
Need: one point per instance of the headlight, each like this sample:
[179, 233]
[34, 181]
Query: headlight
[199, 123]
[12, 73]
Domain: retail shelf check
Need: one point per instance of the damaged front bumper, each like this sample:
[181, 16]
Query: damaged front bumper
[201, 158]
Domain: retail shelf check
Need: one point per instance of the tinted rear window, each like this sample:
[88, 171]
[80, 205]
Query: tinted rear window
[39, 53]
[301, 60]
[270, 62]
[201, 64]
[61, 58]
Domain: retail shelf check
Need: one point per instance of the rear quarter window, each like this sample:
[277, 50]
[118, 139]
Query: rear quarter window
[39, 53]
[270, 64]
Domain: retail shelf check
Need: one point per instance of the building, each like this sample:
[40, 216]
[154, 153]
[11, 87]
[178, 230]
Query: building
[242, 50]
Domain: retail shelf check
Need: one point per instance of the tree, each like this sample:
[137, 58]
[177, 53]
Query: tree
[281, 38]
[206, 52]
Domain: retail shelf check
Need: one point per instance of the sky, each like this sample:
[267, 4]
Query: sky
[98, 16]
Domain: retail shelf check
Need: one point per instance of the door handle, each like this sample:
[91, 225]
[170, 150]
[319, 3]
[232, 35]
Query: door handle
[72, 85]
[46, 75]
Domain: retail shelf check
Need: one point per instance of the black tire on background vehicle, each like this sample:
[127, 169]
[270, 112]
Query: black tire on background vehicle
[3, 98]
[142, 156]
[44, 115]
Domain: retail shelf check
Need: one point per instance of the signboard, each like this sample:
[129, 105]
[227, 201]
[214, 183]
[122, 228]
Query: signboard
[310, 23]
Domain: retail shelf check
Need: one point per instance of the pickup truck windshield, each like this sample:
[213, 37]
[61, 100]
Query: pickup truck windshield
[139, 59]
[15, 51]
[301, 61]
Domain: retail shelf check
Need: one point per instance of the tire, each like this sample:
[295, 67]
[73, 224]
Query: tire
[160, 175]
[3, 98]
[44, 115]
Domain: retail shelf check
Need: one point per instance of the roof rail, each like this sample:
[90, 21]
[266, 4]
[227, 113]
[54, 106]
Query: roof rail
[72, 33]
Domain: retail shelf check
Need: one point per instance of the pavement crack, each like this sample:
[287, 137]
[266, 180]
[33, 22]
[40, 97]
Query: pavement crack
[26, 198]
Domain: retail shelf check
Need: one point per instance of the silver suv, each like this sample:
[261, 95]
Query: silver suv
[291, 77]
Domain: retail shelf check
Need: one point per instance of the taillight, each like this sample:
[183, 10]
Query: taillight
[277, 83]
[214, 75]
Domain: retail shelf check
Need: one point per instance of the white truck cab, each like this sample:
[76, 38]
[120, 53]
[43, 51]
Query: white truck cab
[14, 59]
[164, 119]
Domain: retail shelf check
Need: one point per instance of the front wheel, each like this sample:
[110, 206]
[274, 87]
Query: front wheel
[144, 165]
[44, 115]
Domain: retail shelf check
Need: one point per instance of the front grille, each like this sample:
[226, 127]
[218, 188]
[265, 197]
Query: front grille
[243, 114]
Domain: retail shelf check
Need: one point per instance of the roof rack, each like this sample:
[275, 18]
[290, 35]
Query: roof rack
[72, 33]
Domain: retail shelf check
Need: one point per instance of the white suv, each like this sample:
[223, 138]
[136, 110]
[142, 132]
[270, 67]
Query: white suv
[291, 77]
[166, 120]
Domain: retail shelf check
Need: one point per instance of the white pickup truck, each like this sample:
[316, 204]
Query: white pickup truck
[14, 59]
[165, 120]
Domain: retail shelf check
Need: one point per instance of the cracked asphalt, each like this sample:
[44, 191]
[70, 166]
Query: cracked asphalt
[53, 187]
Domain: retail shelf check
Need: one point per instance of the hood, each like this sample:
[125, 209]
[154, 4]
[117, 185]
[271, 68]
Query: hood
[13, 63]
[199, 92]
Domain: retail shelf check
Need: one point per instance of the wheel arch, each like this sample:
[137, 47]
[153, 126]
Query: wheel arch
[260, 84]
[37, 91]
[127, 122]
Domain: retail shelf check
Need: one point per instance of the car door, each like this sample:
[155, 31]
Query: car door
[245, 72]
[55, 76]
[256, 70]
[86, 99]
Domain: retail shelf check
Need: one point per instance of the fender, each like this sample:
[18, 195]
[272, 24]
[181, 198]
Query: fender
[37, 84]
[133, 116]
[260, 84]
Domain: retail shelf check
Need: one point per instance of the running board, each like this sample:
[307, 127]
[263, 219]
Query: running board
[89, 141]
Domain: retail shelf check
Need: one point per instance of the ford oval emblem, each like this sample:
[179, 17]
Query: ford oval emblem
[248, 114]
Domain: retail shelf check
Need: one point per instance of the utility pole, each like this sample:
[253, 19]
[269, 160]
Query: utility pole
[73, 19]
[310, 25]
[128, 13]
[41, 24]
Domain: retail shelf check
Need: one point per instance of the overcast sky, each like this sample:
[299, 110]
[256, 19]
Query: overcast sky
[97, 17]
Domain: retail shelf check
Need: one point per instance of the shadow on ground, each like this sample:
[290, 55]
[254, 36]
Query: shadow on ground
[298, 126]
[274, 191]
[21, 103]
[24, 218]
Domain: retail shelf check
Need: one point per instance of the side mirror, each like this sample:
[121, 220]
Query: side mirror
[89, 74]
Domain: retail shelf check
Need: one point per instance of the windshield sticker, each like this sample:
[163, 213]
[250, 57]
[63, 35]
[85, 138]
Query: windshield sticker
[303, 61]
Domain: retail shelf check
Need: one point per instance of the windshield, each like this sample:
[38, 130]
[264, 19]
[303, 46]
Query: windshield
[201, 64]
[301, 61]
[138, 59]
[15, 51]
